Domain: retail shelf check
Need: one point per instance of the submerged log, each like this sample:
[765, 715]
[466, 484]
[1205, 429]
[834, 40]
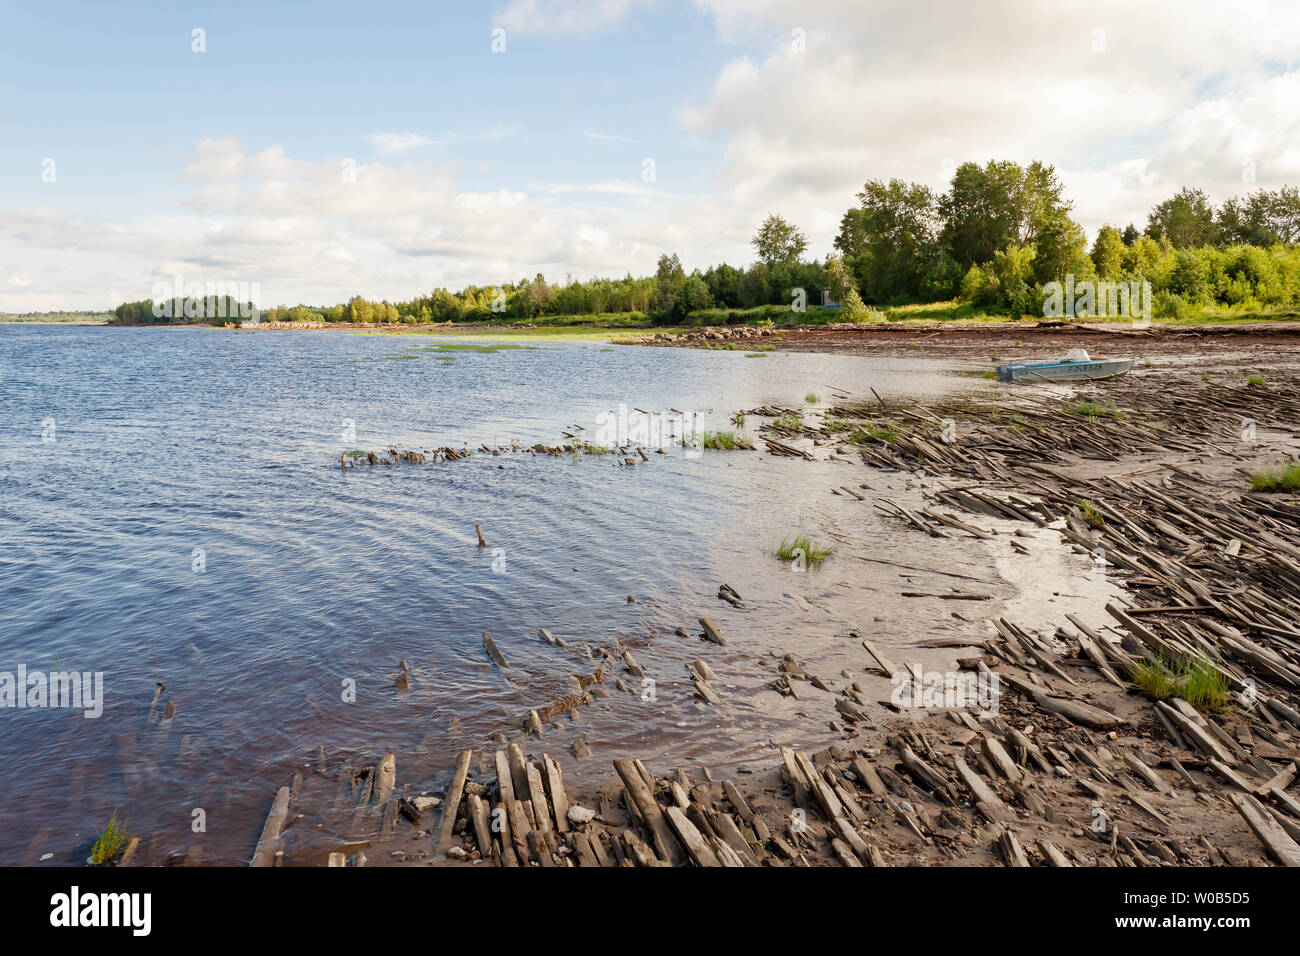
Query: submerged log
[711, 631]
[493, 651]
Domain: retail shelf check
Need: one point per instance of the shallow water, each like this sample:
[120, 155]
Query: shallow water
[170, 442]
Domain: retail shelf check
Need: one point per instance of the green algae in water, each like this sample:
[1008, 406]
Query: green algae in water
[476, 347]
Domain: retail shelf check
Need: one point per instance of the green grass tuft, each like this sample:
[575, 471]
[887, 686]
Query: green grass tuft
[110, 843]
[870, 431]
[1091, 513]
[792, 419]
[1196, 681]
[802, 547]
[812, 398]
[1288, 479]
[726, 441]
[1094, 410]
[1256, 381]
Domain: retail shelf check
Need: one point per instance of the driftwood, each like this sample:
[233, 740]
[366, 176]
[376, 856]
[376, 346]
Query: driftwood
[493, 651]
[451, 805]
[665, 844]
[269, 844]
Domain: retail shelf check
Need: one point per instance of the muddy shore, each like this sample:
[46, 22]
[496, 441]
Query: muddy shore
[997, 342]
[1054, 758]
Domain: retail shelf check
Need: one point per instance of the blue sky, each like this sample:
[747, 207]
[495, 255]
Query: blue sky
[116, 95]
[475, 166]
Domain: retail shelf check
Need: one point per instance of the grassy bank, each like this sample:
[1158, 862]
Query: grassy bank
[55, 318]
[931, 313]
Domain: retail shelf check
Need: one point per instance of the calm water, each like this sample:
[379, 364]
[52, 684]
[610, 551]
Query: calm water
[164, 443]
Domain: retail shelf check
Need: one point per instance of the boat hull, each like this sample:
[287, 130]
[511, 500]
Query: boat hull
[1064, 371]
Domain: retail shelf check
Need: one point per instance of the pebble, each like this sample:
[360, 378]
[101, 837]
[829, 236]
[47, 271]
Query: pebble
[580, 815]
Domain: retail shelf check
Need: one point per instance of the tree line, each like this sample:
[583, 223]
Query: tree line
[993, 239]
[1002, 231]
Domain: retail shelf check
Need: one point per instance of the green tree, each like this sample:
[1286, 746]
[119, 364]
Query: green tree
[990, 207]
[891, 238]
[1186, 218]
[777, 241]
[1262, 218]
[536, 297]
[1108, 253]
[359, 310]
[1060, 247]
[844, 287]
[669, 277]
[982, 211]
[694, 294]
[724, 285]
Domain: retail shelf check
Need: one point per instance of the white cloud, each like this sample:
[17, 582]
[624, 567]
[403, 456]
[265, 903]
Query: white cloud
[612, 187]
[1180, 93]
[305, 231]
[912, 87]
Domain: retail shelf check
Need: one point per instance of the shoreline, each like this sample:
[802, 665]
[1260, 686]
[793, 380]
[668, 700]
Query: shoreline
[1072, 766]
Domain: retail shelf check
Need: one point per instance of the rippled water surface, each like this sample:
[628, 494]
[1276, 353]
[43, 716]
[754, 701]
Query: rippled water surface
[127, 451]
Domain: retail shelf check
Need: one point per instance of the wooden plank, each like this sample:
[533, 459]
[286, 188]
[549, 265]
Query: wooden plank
[269, 842]
[737, 801]
[885, 664]
[385, 779]
[1200, 737]
[867, 776]
[640, 796]
[1279, 845]
[555, 788]
[478, 815]
[691, 838]
[988, 802]
[1156, 781]
[518, 772]
[451, 805]
[537, 795]
[1279, 782]
[998, 756]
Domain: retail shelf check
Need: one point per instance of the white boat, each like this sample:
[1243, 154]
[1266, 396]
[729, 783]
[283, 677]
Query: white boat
[1076, 366]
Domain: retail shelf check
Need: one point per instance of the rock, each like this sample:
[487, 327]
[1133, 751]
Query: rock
[580, 815]
[425, 802]
[457, 853]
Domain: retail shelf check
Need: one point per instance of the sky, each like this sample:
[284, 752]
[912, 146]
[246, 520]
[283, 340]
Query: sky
[318, 150]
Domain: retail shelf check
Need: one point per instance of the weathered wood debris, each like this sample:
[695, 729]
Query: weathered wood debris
[1070, 767]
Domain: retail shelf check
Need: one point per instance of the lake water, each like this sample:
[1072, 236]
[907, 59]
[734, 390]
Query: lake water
[130, 454]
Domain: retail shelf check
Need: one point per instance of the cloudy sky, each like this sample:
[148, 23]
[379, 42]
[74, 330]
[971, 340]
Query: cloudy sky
[325, 149]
